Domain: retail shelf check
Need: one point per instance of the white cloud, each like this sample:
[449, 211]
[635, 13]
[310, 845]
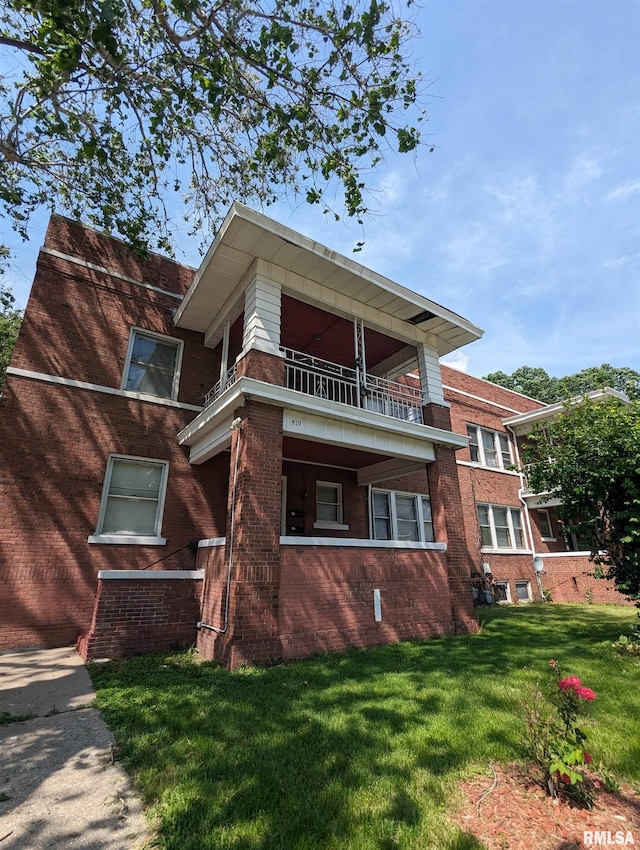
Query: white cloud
[457, 360]
[622, 260]
[583, 170]
[623, 191]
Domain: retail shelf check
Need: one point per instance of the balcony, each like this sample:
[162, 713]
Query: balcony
[324, 379]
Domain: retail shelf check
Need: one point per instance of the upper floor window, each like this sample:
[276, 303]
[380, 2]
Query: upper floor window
[152, 365]
[490, 448]
[500, 527]
[401, 516]
[132, 501]
[544, 524]
[329, 513]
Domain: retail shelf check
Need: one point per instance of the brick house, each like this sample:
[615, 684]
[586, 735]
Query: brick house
[264, 447]
[522, 551]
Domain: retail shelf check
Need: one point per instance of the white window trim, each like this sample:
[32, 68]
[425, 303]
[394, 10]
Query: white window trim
[479, 429]
[161, 338]
[494, 548]
[418, 497]
[131, 539]
[528, 584]
[507, 584]
[325, 523]
[544, 538]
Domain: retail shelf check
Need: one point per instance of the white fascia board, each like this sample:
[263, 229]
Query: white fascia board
[551, 410]
[239, 213]
[222, 409]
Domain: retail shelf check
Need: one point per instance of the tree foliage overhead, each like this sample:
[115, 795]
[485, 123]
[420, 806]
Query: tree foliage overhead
[589, 456]
[111, 103]
[537, 383]
[10, 321]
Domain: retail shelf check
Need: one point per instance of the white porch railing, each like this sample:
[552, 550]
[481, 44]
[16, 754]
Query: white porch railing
[343, 384]
[223, 384]
[325, 379]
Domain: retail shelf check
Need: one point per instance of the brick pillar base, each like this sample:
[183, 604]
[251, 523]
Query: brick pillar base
[449, 523]
[252, 628]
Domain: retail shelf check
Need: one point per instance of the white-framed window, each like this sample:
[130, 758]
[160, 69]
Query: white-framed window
[329, 510]
[489, 448]
[152, 365]
[502, 591]
[544, 524]
[401, 516]
[500, 527]
[132, 501]
[523, 590]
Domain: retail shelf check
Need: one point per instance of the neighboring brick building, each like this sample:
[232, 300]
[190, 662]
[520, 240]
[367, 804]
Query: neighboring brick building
[522, 552]
[328, 500]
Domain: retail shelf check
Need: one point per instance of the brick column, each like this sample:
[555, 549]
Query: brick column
[252, 631]
[448, 519]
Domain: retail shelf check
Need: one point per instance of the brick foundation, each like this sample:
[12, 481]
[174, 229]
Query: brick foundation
[149, 613]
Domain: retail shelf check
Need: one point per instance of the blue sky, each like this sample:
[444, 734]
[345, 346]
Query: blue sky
[526, 218]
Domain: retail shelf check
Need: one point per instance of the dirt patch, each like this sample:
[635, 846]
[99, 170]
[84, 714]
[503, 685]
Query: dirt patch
[508, 810]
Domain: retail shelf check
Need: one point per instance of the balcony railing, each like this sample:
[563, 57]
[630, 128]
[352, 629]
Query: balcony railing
[325, 379]
[343, 384]
[223, 384]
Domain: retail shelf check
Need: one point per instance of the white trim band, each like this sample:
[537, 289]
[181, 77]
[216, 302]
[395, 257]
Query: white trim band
[103, 270]
[354, 542]
[99, 388]
[127, 539]
[106, 575]
[211, 541]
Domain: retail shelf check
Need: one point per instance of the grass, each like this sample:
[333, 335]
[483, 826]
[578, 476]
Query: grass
[363, 750]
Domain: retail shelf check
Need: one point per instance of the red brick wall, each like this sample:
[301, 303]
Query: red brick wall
[56, 439]
[133, 616]
[326, 597]
[253, 606]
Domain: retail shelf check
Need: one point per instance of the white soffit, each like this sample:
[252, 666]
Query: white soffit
[246, 235]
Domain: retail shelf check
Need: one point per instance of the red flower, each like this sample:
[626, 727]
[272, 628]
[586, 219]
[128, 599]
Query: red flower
[570, 684]
[553, 663]
[587, 758]
[585, 693]
[566, 779]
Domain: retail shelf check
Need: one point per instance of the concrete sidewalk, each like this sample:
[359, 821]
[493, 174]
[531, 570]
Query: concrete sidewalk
[58, 784]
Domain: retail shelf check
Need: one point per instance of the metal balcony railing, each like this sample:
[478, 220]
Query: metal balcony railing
[324, 379]
[223, 384]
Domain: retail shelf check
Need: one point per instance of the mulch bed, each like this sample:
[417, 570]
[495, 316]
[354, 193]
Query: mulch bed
[509, 810]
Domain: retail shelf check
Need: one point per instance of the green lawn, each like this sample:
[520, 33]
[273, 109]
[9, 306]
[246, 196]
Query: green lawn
[362, 750]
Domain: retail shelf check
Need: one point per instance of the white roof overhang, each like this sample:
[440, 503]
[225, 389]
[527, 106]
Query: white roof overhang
[246, 235]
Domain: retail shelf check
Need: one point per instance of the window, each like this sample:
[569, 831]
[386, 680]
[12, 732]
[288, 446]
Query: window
[523, 591]
[500, 527]
[153, 364]
[401, 516]
[502, 591]
[489, 448]
[544, 524]
[329, 506]
[132, 501]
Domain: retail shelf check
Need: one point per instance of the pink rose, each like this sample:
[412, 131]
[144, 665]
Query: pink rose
[569, 684]
[585, 693]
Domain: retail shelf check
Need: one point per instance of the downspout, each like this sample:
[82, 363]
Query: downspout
[526, 512]
[236, 425]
